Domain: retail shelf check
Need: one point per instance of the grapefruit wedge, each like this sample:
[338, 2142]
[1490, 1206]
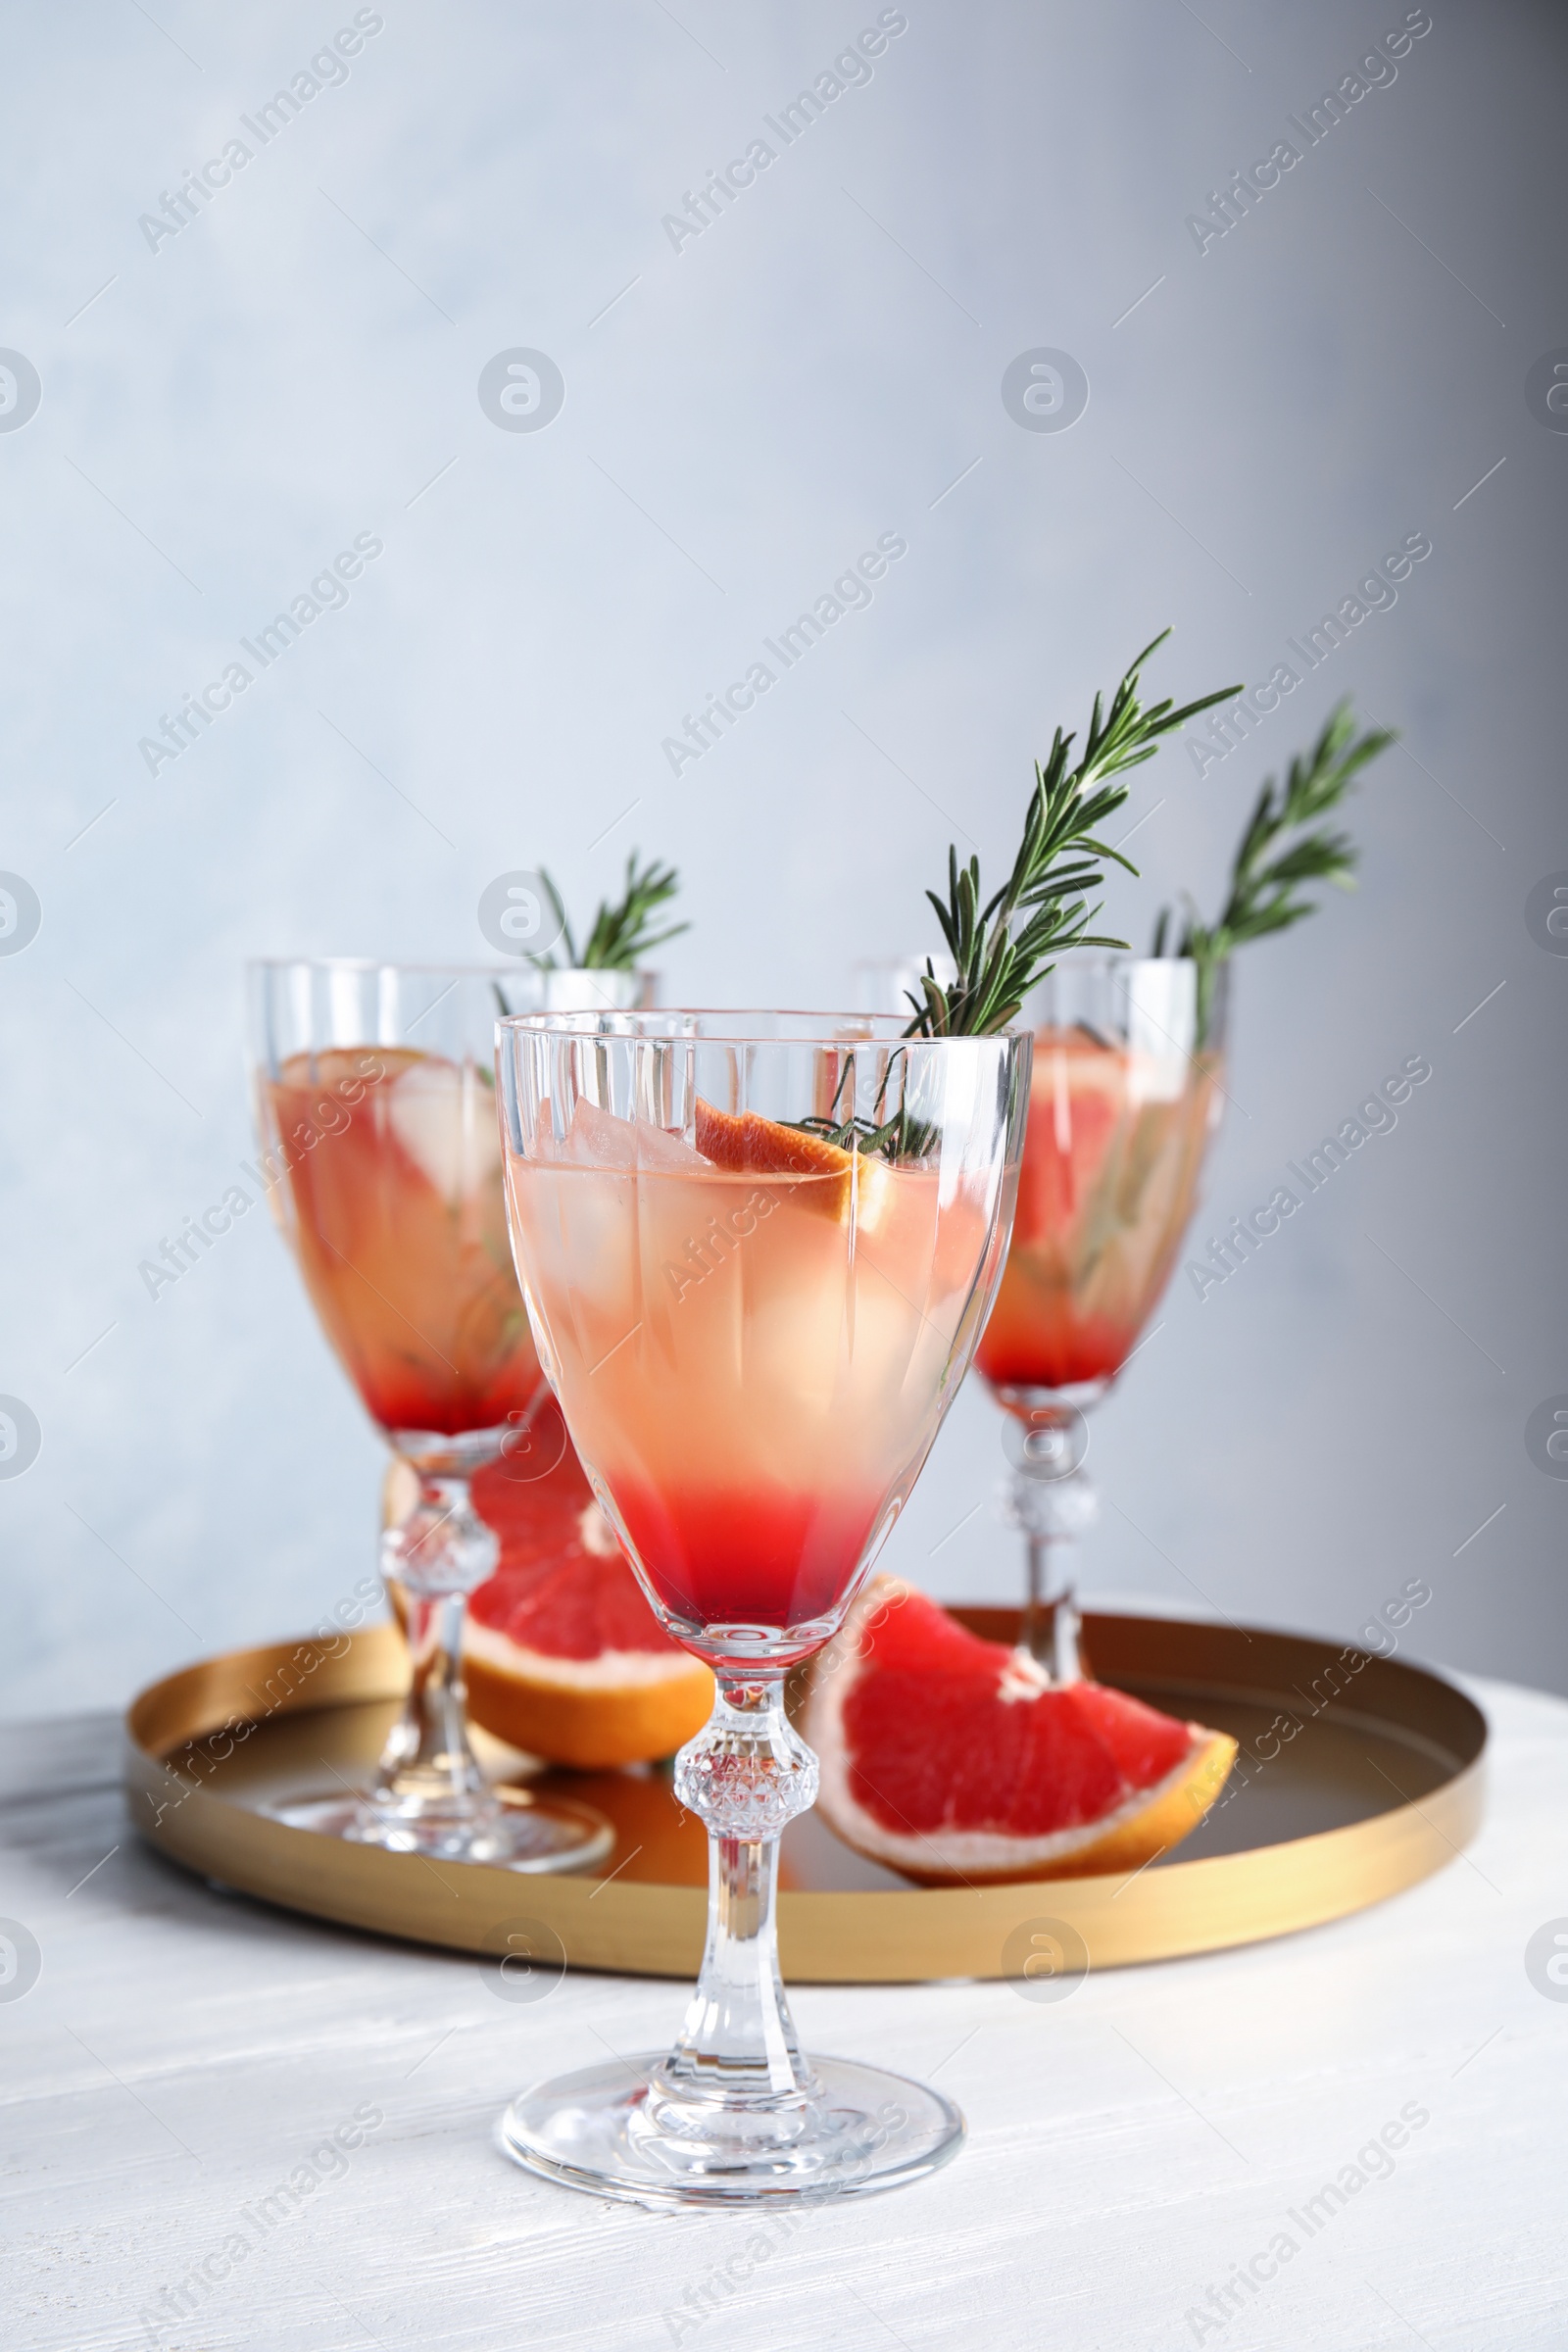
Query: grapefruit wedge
[958, 1761]
[561, 1654]
[849, 1182]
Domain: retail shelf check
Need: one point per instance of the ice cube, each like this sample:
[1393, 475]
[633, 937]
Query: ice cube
[596, 1139]
[599, 1140]
[445, 1120]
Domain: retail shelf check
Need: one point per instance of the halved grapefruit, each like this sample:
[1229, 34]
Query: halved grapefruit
[746, 1140]
[561, 1654]
[958, 1761]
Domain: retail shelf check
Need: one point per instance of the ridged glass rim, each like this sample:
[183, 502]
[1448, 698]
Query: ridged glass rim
[826, 1028]
[463, 971]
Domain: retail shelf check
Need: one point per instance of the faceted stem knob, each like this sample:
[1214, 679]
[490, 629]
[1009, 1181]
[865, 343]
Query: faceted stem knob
[748, 1771]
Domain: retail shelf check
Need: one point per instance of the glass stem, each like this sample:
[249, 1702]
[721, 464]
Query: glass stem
[1052, 1512]
[746, 1774]
[427, 1769]
[427, 1748]
[1036, 1608]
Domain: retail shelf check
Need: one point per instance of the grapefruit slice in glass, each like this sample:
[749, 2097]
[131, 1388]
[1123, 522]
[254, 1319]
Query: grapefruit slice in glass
[848, 1184]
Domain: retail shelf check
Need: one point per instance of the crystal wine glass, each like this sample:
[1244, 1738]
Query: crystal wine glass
[376, 1102]
[1127, 1090]
[756, 1251]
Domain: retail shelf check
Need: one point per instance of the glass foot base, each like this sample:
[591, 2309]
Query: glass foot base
[866, 2130]
[519, 1833]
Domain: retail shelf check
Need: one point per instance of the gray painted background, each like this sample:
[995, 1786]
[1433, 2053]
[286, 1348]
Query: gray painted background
[745, 409]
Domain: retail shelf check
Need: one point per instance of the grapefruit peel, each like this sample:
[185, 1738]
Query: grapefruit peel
[950, 1685]
[562, 1653]
[848, 1186]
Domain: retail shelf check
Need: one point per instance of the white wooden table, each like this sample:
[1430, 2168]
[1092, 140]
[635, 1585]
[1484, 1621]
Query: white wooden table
[183, 2055]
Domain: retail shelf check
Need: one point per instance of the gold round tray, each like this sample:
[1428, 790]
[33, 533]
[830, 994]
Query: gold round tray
[1357, 1776]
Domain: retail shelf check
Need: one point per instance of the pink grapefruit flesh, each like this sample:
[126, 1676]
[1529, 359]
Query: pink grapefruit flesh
[958, 1761]
[561, 1654]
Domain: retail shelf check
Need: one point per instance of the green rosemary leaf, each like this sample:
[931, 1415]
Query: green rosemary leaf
[1282, 846]
[894, 1136]
[574, 960]
[623, 933]
[1003, 950]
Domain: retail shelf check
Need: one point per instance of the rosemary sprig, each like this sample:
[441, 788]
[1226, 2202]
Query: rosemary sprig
[1002, 949]
[1282, 846]
[900, 1137]
[897, 1138]
[622, 931]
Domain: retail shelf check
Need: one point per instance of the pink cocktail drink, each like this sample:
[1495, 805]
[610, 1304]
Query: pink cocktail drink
[376, 1099]
[752, 1359]
[392, 1199]
[1125, 1094]
[756, 1251]
[1112, 1158]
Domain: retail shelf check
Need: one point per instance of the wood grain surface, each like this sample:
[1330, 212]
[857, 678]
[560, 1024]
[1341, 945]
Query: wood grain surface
[226, 2126]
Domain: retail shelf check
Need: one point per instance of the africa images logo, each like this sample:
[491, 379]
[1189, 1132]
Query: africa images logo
[21, 391]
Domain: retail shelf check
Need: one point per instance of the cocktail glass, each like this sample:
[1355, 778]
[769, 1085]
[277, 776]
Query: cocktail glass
[1127, 1090]
[754, 1333]
[376, 1102]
